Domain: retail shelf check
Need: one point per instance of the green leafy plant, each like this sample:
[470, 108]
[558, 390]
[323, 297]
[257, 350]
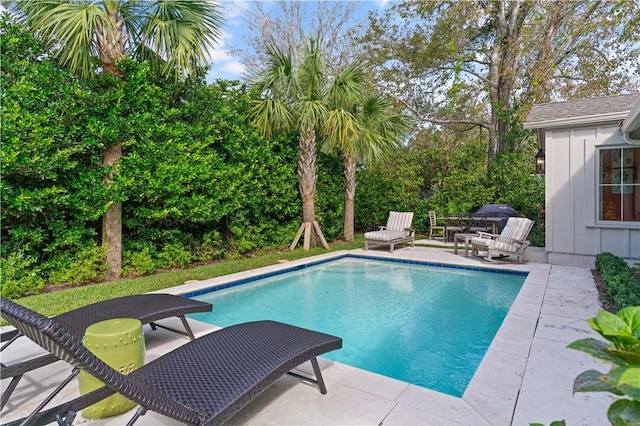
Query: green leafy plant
[622, 330]
[174, 255]
[19, 275]
[87, 265]
[140, 262]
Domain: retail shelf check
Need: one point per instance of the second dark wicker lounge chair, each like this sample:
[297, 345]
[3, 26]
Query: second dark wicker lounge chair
[205, 381]
[145, 307]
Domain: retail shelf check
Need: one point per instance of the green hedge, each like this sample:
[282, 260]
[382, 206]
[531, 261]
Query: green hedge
[622, 286]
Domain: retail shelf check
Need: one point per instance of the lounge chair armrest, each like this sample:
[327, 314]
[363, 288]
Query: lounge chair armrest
[409, 229]
[514, 241]
[487, 235]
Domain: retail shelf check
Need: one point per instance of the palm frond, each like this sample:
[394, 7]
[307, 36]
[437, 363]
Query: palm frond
[181, 32]
[278, 78]
[310, 113]
[340, 130]
[348, 87]
[270, 116]
[69, 27]
[311, 72]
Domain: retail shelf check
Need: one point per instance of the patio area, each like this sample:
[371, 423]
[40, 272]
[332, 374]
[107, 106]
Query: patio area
[525, 377]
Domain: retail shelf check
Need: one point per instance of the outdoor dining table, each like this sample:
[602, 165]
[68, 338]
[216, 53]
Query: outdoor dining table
[470, 219]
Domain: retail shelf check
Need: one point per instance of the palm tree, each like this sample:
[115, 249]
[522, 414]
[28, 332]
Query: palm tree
[359, 126]
[174, 35]
[295, 99]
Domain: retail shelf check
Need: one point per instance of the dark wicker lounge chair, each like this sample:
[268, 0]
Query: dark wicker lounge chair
[205, 381]
[145, 307]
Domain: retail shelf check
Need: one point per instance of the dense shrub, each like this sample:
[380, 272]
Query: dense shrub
[138, 262]
[86, 265]
[449, 176]
[621, 283]
[52, 195]
[391, 184]
[20, 275]
[174, 255]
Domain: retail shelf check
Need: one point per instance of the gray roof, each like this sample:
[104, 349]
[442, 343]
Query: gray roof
[581, 111]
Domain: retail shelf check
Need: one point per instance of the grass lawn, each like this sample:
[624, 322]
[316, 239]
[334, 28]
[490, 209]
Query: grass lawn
[57, 302]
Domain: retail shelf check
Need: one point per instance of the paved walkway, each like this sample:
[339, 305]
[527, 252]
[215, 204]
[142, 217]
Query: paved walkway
[525, 377]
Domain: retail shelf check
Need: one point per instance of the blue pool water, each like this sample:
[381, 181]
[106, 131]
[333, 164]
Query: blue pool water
[425, 325]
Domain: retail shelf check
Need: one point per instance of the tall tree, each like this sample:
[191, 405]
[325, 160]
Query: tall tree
[478, 64]
[91, 37]
[359, 126]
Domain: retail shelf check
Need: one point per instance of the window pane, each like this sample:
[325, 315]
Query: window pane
[609, 204]
[631, 203]
[605, 165]
[631, 161]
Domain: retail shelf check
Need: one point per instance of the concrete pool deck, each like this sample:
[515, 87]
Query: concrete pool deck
[525, 377]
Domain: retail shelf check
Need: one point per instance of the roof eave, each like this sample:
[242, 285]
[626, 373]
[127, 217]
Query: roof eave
[565, 122]
[632, 122]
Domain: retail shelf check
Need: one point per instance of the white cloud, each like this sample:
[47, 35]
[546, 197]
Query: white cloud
[233, 67]
[234, 8]
[223, 64]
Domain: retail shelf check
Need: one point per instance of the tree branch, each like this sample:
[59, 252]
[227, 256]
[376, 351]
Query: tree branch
[468, 71]
[566, 48]
[421, 117]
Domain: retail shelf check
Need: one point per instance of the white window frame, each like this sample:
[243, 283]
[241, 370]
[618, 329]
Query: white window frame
[599, 184]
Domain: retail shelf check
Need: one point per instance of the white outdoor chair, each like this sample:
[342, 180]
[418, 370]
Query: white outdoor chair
[512, 241]
[398, 230]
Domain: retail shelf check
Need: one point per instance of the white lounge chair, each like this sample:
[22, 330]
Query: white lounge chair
[511, 241]
[398, 230]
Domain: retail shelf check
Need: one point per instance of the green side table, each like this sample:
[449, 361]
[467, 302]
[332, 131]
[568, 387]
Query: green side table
[120, 344]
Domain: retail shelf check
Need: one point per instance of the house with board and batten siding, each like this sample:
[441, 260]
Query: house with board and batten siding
[592, 177]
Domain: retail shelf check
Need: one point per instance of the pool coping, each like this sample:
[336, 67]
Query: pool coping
[500, 373]
[298, 267]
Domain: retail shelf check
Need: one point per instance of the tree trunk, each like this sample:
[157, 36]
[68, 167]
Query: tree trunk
[307, 179]
[112, 220]
[509, 17]
[349, 196]
[494, 75]
[111, 49]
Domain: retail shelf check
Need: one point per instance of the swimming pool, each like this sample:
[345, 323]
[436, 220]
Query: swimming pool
[425, 325]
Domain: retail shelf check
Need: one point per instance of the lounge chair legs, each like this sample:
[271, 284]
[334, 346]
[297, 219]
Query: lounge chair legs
[187, 328]
[318, 380]
[7, 393]
[66, 420]
[56, 391]
[141, 411]
[10, 337]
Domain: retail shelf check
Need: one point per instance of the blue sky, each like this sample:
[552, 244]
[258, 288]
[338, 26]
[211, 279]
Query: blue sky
[227, 66]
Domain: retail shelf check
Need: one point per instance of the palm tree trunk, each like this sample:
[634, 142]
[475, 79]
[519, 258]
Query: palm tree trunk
[307, 179]
[112, 219]
[349, 196]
